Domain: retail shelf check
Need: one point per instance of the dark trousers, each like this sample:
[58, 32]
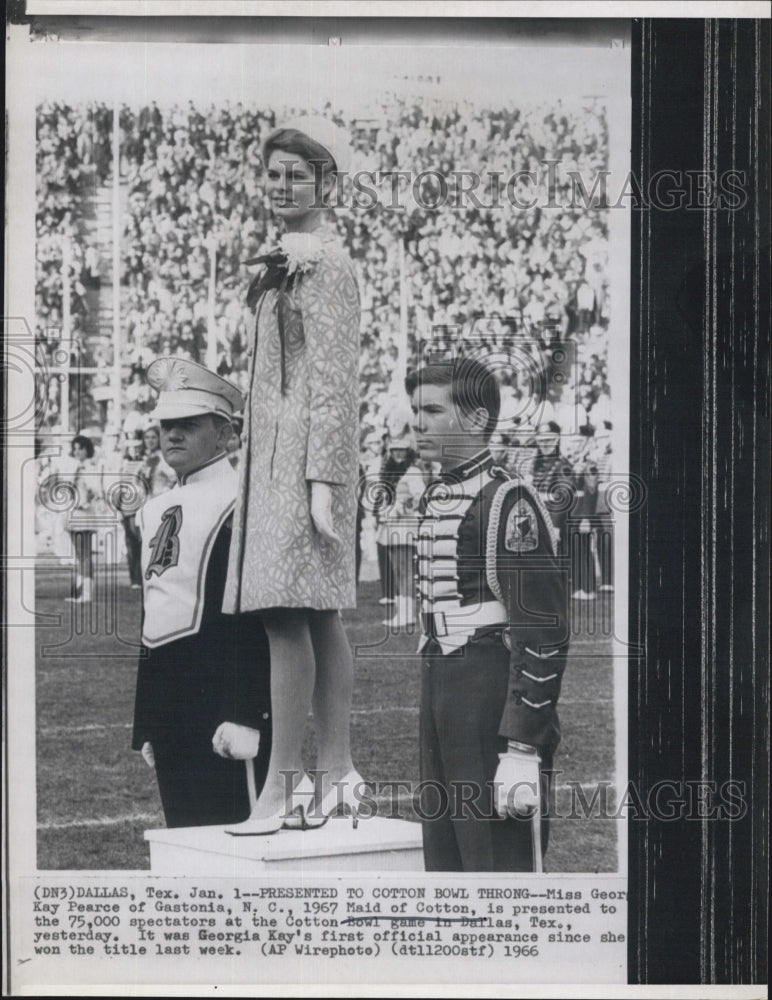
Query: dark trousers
[590, 552]
[462, 700]
[82, 543]
[200, 788]
[605, 540]
[386, 572]
[583, 563]
[402, 559]
[358, 540]
[133, 549]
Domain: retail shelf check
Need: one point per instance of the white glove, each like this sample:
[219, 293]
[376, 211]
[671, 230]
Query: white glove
[321, 511]
[147, 754]
[236, 742]
[517, 783]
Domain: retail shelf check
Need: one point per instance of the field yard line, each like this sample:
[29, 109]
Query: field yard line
[406, 709]
[413, 709]
[102, 821]
[88, 728]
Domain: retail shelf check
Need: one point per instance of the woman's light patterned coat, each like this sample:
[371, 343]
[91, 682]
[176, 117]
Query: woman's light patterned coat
[277, 558]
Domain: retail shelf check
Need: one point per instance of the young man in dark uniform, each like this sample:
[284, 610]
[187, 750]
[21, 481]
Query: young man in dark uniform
[202, 710]
[494, 634]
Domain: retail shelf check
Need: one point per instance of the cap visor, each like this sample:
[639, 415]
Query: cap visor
[179, 411]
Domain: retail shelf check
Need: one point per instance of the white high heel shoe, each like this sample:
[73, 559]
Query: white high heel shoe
[258, 827]
[341, 800]
[303, 814]
[292, 814]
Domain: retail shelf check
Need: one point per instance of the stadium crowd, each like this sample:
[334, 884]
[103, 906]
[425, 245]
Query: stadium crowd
[526, 287]
[73, 150]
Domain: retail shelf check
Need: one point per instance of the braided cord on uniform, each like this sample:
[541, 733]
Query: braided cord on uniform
[492, 540]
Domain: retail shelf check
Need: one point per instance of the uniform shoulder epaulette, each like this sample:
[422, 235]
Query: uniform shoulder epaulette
[494, 520]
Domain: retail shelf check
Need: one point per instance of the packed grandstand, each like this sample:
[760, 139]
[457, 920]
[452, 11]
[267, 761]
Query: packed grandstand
[525, 285]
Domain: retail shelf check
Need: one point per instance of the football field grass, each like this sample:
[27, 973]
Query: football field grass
[95, 796]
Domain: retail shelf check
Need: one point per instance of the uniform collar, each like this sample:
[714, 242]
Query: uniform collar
[209, 470]
[480, 462]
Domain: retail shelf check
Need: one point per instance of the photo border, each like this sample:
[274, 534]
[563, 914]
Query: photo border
[695, 443]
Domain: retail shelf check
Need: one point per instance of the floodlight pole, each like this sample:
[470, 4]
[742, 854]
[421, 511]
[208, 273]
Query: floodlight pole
[66, 332]
[402, 355]
[211, 326]
[116, 379]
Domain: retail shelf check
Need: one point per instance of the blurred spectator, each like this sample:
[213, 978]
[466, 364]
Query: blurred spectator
[499, 448]
[591, 539]
[234, 442]
[133, 488]
[158, 477]
[400, 528]
[86, 482]
[385, 494]
[553, 477]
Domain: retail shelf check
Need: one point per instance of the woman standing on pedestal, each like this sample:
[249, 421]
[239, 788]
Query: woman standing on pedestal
[292, 552]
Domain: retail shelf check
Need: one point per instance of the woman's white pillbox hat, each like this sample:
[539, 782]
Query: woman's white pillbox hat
[323, 131]
[188, 389]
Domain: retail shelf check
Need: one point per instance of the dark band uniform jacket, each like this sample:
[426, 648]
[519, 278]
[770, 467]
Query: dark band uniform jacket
[494, 644]
[554, 479]
[198, 667]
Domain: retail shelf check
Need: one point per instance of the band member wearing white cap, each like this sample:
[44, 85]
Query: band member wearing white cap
[202, 710]
[293, 551]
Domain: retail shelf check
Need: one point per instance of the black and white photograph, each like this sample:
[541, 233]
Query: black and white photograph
[332, 509]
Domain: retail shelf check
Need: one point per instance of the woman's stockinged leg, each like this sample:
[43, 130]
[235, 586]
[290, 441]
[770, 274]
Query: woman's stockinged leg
[292, 684]
[332, 696]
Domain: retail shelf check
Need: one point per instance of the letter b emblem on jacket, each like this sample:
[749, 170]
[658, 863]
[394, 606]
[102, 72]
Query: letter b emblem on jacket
[165, 544]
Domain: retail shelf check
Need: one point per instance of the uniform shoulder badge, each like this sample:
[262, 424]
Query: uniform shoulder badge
[522, 529]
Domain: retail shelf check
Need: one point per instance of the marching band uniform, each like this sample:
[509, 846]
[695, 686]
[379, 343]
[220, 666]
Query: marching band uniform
[590, 527]
[198, 667]
[494, 644]
[554, 478]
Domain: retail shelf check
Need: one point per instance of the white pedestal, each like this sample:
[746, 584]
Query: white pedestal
[376, 845]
